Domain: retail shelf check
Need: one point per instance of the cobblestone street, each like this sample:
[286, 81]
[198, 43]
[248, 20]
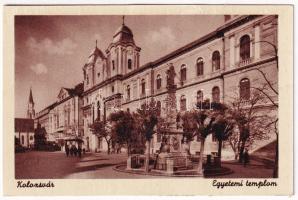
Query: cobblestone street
[55, 165]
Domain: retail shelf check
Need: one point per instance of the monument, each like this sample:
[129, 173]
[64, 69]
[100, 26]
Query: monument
[173, 156]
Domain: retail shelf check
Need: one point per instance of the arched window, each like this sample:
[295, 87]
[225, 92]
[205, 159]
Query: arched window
[183, 72]
[244, 47]
[128, 92]
[200, 67]
[200, 96]
[129, 63]
[98, 110]
[158, 81]
[113, 64]
[215, 60]
[182, 103]
[245, 89]
[143, 86]
[215, 95]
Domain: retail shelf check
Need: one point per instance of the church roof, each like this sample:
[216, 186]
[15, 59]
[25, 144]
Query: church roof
[24, 125]
[76, 91]
[31, 97]
[123, 34]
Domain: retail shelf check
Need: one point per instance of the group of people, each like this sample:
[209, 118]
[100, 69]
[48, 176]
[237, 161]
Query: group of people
[73, 150]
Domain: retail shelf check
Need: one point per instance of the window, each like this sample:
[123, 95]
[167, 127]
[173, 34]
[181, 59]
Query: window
[87, 79]
[215, 60]
[129, 63]
[31, 137]
[183, 72]
[200, 67]
[200, 96]
[244, 47]
[98, 74]
[98, 110]
[113, 89]
[143, 87]
[215, 95]
[158, 81]
[183, 103]
[113, 64]
[128, 92]
[245, 89]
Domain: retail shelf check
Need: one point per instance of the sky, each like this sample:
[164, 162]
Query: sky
[50, 51]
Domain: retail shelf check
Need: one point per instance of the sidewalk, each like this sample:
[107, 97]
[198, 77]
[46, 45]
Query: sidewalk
[254, 169]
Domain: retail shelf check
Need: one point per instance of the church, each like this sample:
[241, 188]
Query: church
[217, 67]
[24, 127]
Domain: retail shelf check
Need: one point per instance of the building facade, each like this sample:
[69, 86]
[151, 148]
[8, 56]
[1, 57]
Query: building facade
[62, 119]
[218, 67]
[24, 132]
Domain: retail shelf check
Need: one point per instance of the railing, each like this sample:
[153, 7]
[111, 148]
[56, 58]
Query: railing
[245, 62]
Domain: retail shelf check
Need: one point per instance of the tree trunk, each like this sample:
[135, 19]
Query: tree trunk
[128, 150]
[241, 151]
[109, 148]
[275, 171]
[147, 160]
[219, 149]
[200, 167]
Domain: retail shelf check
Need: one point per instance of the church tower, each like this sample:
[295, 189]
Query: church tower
[123, 55]
[30, 110]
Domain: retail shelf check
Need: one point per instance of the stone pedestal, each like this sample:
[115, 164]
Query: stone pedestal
[128, 163]
[170, 166]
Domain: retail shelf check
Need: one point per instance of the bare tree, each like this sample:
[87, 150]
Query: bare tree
[252, 123]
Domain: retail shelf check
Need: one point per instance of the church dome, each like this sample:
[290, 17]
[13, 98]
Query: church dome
[123, 35]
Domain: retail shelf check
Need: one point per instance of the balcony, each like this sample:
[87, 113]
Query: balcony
[245, 62]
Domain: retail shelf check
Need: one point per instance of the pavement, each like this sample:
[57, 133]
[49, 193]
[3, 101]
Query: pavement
[55, 165]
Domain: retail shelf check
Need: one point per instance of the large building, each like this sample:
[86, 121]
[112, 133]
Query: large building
[63, 119]
[217, 66]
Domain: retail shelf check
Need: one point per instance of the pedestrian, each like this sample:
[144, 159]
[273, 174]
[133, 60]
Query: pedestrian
[245, 158]
[80, 151]
[75, 151]
[72, 150]
[66, 150]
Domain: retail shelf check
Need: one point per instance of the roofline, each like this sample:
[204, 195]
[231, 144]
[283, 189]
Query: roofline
[217, 33]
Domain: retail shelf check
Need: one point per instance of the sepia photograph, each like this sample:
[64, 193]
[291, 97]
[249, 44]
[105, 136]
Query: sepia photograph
[146, 96]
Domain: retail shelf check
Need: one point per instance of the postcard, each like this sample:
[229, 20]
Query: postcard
[148, 100]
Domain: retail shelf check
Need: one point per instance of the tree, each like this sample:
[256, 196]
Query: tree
[189, 127]
[147, 118]
[252, 124]
[223, 128]
[39, 137]
[103, 130]
[124, 127]
[199, 121]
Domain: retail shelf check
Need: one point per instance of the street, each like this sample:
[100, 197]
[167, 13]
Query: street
[55, 165]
